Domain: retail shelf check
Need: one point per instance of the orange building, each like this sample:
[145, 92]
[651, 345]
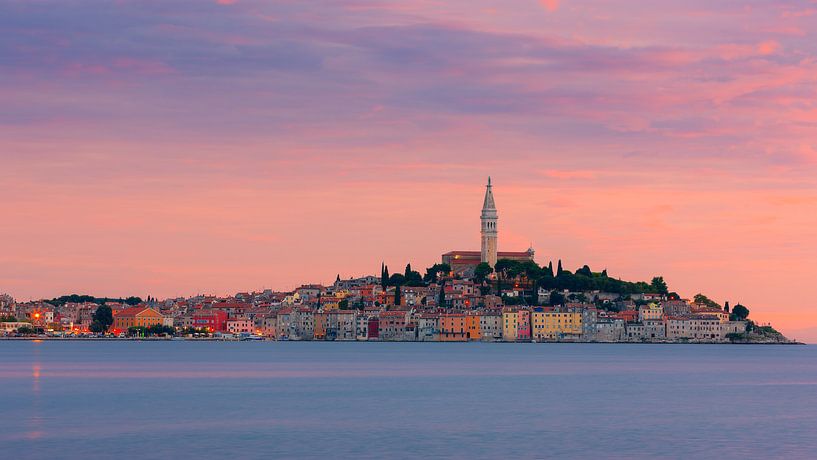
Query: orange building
[452, 327]
[320, 325]
[137, 317]
[472, 325]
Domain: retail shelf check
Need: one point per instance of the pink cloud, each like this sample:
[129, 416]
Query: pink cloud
[550, 5]
[570, 174]
[768, 47]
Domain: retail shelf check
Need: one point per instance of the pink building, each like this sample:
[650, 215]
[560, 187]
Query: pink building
[523, 324]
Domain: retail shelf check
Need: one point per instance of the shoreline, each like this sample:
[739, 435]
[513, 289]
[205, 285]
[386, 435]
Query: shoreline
[212, 339]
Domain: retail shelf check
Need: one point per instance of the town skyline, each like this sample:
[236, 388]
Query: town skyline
[475, 268]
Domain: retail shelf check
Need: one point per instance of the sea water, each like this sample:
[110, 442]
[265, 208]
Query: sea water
[180, 399]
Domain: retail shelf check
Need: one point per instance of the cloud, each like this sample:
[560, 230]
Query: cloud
[570, 174]
[768, 47]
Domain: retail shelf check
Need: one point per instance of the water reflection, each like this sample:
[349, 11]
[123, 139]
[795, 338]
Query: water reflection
[35, 418]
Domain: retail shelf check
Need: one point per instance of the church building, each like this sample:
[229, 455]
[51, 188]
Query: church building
[464, 262]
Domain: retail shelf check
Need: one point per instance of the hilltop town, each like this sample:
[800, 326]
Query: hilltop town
[485, 295]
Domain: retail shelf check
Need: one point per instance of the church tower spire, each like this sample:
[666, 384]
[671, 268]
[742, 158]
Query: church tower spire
[488, 229]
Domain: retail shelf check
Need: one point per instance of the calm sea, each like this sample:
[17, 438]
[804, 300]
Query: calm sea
[142, 400]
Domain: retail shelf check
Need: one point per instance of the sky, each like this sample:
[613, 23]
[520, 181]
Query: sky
[170, 148]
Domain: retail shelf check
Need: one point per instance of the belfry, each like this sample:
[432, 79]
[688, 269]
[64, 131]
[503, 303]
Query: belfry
[488, 230]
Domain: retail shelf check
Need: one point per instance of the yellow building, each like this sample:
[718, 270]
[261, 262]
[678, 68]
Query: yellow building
[138, 317]
[651, 311]
[550, 325]
[510, 325]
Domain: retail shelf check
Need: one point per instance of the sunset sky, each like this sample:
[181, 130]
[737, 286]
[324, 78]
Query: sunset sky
[170, 148]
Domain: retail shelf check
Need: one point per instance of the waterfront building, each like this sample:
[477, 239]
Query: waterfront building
[609, 329]
[320, 325]
[696, 328]
[549, 324]
[362, 327]
[284, 327]
[473, 325]
[211, 320]
[373, 326]
[490, 325]
[139, 317]
[655, 329]
[452, 327]
[509, 325]
[523, 332]
[8, 327]
[341, 325]
[634, 332]
[269, 326]
[428, 327]
[393, 325]
[303, 320]
[239, 325]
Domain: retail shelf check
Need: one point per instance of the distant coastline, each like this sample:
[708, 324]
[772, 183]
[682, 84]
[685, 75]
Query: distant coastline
[215, 339]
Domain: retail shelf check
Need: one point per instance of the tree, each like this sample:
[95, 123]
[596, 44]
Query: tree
[531, 270]
[726, 307]
[433, 272]
[396, 293]
[343, 304]
[556, 298]
[397, 280]
[26, 330]
[549, 270]
[585, 271]
[739, 313]
[384, 279]
[508, 268]
[704, 300]
[441, 295]
[559, 269]
[102, 318]
[412, 278]
[659, 285]
[482, 271]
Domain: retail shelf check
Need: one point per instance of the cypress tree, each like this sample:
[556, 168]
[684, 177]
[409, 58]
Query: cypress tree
[559, 269]
[408, 270]
[397, 295]
[384, 281]
[441, 297]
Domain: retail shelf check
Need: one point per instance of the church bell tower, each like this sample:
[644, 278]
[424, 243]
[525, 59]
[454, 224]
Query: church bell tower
[488, 231]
